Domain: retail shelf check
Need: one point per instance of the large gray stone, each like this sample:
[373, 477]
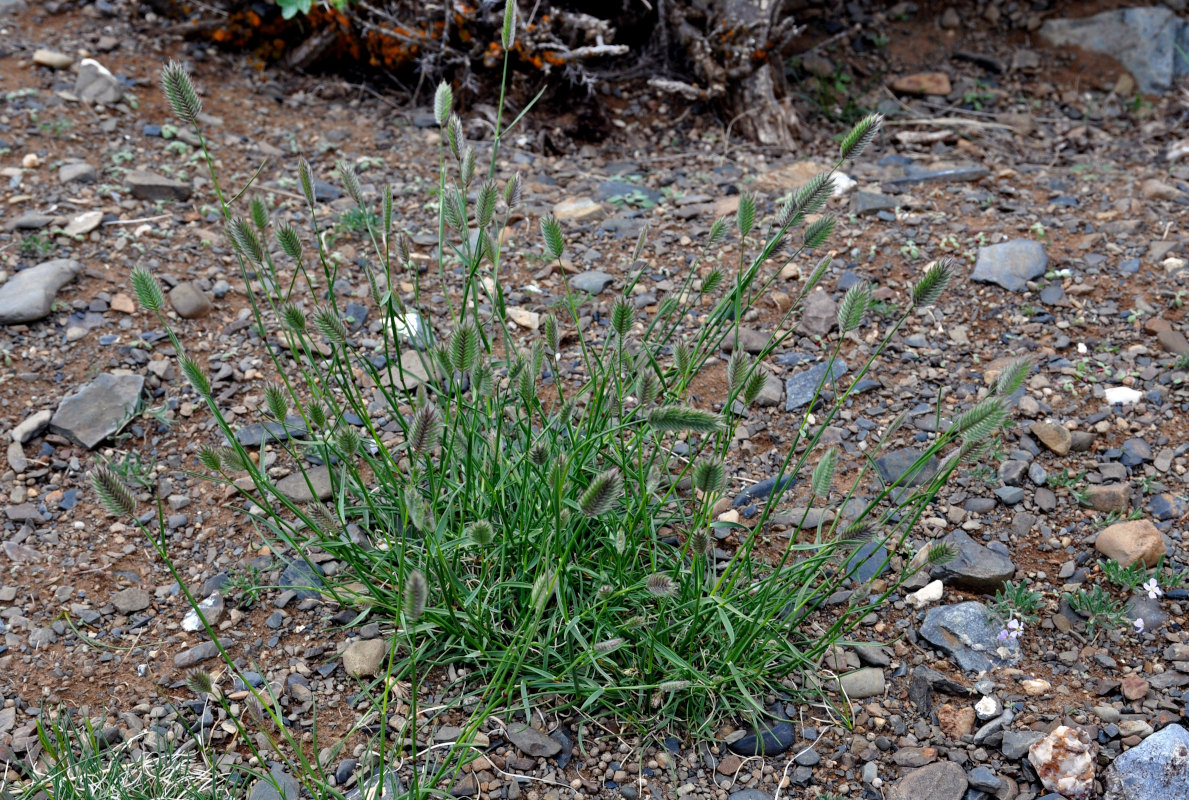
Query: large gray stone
[189, 301]
[12, 6]
[280, 785]
[99, 409]
[968, 634]
[96, 84]
[148, 186]
[1144, 40]
[975, 568]
[895, 465]
[1011, 264]
[799, 389]
[297, 488]
[533, 742]
[1155, 769]
[29, 295]
[592, 282]
[944, 780]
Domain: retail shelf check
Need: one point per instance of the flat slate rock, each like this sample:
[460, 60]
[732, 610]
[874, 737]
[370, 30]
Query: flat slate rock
[968, 634]
[1149, 42]
[29, 295]
[944, 780]
[393, 788]
[297, 486]
[799, 389]
[303, 579]
[150, 186]
[280, 786]
[533, 742]
[258, 433]
[593, 282]
[895, 465]
[975, 568]
[98, 410]
[769, 741]
[918, 174]
[1155, 769]
[869, 561]
[1011, 264]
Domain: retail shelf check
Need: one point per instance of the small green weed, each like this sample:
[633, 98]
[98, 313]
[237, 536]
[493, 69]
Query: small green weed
[1017, 600]
[1097, 607]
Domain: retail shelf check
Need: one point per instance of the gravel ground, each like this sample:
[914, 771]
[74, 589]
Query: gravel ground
[1060, 193]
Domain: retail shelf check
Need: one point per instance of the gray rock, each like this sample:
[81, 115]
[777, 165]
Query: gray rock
[968, 634]
[799, 389]
[984, 779]
[1155, 769]
[129, 601]
[212, 609]
[1144, 40]
[772, 392]
[12, 7]
[751, 794]
[771, 740]
[1010, 495]
[869, 561]
[592, 282]
[917, 174]
[95, 84]
[148, 186]
[943, 780]
[98, 410]
[256, 434]
[976, 568]
[863, 683]
[16, 457]
[189, 301]
[363, 658]
[1016, 744]
[29, 295]
[533, 742]
[392, 790]
[866, 203]
[895, 465]
[280, 785]
[31, 425]
[304, 579]
[1011, 264]
[197, 654]
[1142, 607]
[819, 315]
[297, 489]
[78, 172]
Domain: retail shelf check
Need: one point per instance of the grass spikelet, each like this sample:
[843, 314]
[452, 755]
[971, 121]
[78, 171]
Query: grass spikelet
[854, 305]
[602, 493]
[555, 243]
[1013, 377]
[823, 473]
[148, 291]
[481, 533]
[195, 374]
[464, 347]
[289, 242]
[426, 430]
[607, 645]
[709, 476]
[860, 136]
[514, 192]
[331, 325]
[667, 419]
[660, 585]
[113, 493]
[745, 215]
[622, 315]
[259, 214]
[416, 595]
[350, 181]
[819, 232]
[929, 288]
[755, 385]
[443, 103]
[179, 91]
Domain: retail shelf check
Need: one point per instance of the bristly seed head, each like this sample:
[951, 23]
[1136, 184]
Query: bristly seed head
[113, 492]
[426, 430]
[179, 91]
[602, 493]
[608, 645]
[416, 595]
[200, 682]
[148, 291]
[481, 532]
[660, 585]
[443, 101]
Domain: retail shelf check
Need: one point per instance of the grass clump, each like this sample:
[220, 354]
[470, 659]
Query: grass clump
[543, 514]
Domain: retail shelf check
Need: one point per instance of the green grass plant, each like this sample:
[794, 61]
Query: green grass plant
[542, 526]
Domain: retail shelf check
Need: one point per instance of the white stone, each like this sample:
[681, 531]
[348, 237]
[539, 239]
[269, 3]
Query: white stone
[1122, 395]
[524, 318]
[930, 593]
